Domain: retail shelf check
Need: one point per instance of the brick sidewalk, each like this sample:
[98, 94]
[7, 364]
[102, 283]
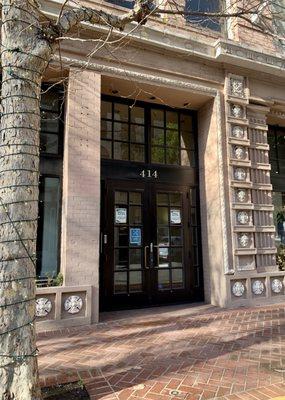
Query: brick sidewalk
[172, 353]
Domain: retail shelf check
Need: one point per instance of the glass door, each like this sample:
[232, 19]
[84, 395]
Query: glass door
[170, 256]
[148, 252]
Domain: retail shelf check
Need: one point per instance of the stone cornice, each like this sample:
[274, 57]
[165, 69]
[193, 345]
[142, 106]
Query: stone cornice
[222, 51]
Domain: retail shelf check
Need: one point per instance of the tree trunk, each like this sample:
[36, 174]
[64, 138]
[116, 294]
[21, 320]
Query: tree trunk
[25, 55]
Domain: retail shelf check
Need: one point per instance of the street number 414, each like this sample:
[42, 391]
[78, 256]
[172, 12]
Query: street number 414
[148, 173]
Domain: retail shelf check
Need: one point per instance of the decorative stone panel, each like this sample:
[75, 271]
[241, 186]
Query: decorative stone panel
[255, 275]
[63, 306]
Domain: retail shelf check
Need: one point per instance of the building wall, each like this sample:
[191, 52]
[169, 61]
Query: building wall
[177, 65]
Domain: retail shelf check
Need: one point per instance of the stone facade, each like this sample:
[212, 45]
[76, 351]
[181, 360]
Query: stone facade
[237, 90]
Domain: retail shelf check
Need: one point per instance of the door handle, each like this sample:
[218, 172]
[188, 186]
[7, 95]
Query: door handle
[145, 257]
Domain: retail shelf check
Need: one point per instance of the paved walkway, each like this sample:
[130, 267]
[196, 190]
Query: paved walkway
[172, 353]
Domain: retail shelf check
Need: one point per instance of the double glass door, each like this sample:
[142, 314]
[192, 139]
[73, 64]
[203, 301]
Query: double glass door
[146, 256]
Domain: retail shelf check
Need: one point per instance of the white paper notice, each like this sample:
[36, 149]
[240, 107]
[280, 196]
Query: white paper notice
[175, 216]
[121, 216]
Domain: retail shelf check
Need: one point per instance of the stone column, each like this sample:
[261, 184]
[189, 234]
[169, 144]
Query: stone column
[213, 170]
[81, 184]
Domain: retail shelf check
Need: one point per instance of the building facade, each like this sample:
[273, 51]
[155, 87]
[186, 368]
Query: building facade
[162, 168]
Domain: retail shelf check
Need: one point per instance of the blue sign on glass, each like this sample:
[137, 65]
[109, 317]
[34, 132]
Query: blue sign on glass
[135, 236]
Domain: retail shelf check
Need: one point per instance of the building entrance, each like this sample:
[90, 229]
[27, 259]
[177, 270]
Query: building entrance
[149, 221]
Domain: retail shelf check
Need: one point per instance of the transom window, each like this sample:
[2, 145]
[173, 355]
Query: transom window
[147, 134]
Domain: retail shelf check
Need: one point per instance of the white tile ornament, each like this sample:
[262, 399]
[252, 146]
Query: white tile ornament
[276, 285]
[243, 240]
[241, 196]
[43, 306]
[238, 289]
[73, 304]
[237, 87]
[240, 174]
[243, 217]
[239, 152]
[257, 287]
[238, 132]
[236, 111]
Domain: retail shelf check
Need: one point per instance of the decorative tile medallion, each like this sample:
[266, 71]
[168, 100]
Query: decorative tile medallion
[43, 306]
[243, 217]
[238, 132]
[239, 152]
[240, 174]
[73, 304]
[243, 240]
[241, 195]
[238, 289]
[237, 87]
[236, 111]
[257, 287]
[276, 285]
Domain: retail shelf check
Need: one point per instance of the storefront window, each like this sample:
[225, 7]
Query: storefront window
[51, 155]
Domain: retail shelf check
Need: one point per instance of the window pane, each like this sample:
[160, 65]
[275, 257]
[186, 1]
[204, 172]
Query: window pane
[121, 112]
[176, 236]
[163, 236]
[121, 197]
[123, 3]
[171, 120]
[121, 236]
[135, 198]
[176, 257]
[172, 156]
[106, 129]
[177, 278]
[163, 280]
[137, 153]
[135, 259]
[163, 257]
[121, 131]
[137, 133]
[162, 199]
[135, 215]
[157, 118]
[120, 282]
[106, 109]
[121, 151]
[172, 138]
[50, 101]
[106, 149]
[157, 155]
[49, 143]
[175, 199]
[157, 136]
[121, 259]
[49, 122]
[135, 281]
[162, 215]
[206, 6]
[185, 158]
[187, 140]
[186, 123]
[137, 115]
[50, 223]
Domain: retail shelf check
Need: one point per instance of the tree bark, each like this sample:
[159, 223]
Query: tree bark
[25, 55]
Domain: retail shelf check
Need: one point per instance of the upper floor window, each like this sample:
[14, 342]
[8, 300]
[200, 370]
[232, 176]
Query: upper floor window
[123, 3]
[210, 6]
[148, 134]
